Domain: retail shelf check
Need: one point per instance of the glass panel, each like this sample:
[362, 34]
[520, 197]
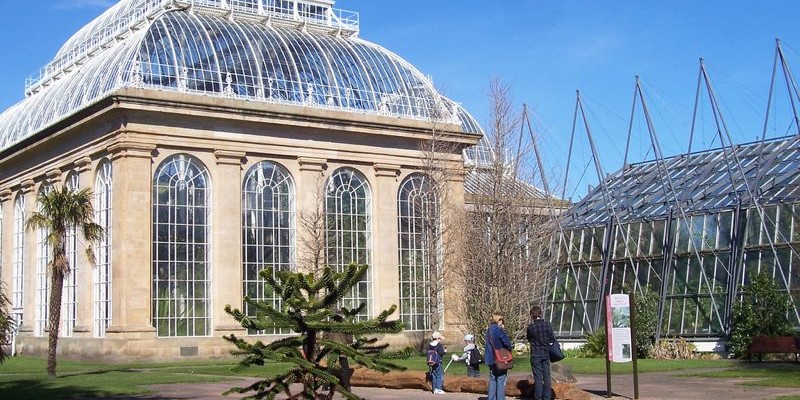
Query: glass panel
[419, 245]
[348, 234]
[181, 261]
[268, 231]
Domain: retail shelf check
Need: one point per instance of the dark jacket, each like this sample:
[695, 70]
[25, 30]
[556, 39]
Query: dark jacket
[540, 335]
[495, 335]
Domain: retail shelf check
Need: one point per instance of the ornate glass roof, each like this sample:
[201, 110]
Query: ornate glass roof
[299, 52]
[763, 172]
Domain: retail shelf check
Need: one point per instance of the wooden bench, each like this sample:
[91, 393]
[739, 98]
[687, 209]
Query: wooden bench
[774, 344]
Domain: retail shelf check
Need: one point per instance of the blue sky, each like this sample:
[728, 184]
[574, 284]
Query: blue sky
[544, 50]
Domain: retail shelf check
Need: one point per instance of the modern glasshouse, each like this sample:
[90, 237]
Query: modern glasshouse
[694, 228]
[208, 131]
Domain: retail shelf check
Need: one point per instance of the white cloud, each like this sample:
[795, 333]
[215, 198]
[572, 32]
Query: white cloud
[76, 4]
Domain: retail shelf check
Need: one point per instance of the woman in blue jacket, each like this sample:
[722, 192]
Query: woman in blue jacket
[496, 336]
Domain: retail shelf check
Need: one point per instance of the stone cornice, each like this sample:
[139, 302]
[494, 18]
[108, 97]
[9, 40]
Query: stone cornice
[390, 170]
[132, 150]
[27, 186]
[53, 175]
[5, 194]
[227, 157]
[311, 164]
[83, 164]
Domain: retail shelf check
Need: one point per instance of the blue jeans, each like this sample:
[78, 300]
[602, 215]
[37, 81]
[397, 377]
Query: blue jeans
[437, 377]
[542, 389]
[497, 384]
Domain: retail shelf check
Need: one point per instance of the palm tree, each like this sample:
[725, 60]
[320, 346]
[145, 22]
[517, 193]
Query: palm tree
[6, 322]
[60, 211]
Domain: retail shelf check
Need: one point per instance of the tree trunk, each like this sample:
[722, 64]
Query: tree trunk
[54, 319]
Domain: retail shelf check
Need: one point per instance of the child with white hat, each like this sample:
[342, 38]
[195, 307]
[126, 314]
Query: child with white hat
[435, 355]
[471, 357]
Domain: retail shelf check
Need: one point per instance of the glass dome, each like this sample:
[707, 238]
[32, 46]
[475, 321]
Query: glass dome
[255, 50]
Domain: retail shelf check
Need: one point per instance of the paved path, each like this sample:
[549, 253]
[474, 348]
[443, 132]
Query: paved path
[652, 386]
[677, 385]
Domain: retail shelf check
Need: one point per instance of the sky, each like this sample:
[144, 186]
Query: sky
[544, 51]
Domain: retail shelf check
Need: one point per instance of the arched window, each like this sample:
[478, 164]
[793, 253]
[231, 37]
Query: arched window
[103, 196]
[268, 227]
[348, 234]
[69, 303]
[418, 244]
[43, 257]
[181, 251]
[18, 264]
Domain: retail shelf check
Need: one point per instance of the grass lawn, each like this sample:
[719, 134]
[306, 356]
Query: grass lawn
[24, 378]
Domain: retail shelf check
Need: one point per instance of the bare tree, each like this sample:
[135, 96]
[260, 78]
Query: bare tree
[442, 166]
[313, 224]
[505, 243]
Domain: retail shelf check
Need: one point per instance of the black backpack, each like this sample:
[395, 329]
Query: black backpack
[475, 357]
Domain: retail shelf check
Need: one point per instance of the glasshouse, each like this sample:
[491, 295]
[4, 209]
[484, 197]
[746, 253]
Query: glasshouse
[693, 228]
[210, 132]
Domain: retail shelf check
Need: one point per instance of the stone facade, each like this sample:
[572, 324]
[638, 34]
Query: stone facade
[135, 129]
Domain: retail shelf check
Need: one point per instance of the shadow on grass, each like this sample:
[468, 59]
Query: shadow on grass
[55, 389]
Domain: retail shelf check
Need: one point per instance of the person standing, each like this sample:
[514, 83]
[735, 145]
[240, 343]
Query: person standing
[471, 357]
[436, 353]
[496, 336]
[540, 335]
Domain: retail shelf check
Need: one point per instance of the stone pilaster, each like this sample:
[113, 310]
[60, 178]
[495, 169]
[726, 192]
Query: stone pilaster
[227, 241]
[131, 274]
[309, 198]
[451, 210]
[385, 273]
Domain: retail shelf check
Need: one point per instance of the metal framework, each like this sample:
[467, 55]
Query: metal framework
[181, 248]
[257, 50]
[417, 208]
[69, 300]
[694, 228]
[18, 265]
[348, 236]
[103, 200]
[43, 258]
[268, 230]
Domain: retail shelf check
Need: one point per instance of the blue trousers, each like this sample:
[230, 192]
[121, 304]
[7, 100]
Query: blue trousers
[497, 384]
[437, 377]
[542, 389]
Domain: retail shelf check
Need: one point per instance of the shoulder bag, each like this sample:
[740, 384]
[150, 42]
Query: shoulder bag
[556, 354]
[503, 359]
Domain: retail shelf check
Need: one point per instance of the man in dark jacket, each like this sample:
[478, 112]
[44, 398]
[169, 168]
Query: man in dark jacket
[540, 335]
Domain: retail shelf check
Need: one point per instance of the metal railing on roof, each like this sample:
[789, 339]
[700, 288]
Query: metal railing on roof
[308, 13]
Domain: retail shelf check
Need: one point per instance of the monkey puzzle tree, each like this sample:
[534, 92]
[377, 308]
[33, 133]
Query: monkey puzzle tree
[309, 308]
[59, 212]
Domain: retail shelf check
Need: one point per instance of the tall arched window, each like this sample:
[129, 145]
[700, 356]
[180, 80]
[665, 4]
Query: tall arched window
[69, 301]
[268, 227]
[418, 244]
[43, 257]
[102, 270]
[348, 234]
[181, 250]
[18, 264]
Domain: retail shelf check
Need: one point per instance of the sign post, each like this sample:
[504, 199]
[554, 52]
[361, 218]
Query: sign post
[621, 337]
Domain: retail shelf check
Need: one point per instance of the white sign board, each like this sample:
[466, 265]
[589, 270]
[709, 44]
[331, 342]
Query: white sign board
[618, 327]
